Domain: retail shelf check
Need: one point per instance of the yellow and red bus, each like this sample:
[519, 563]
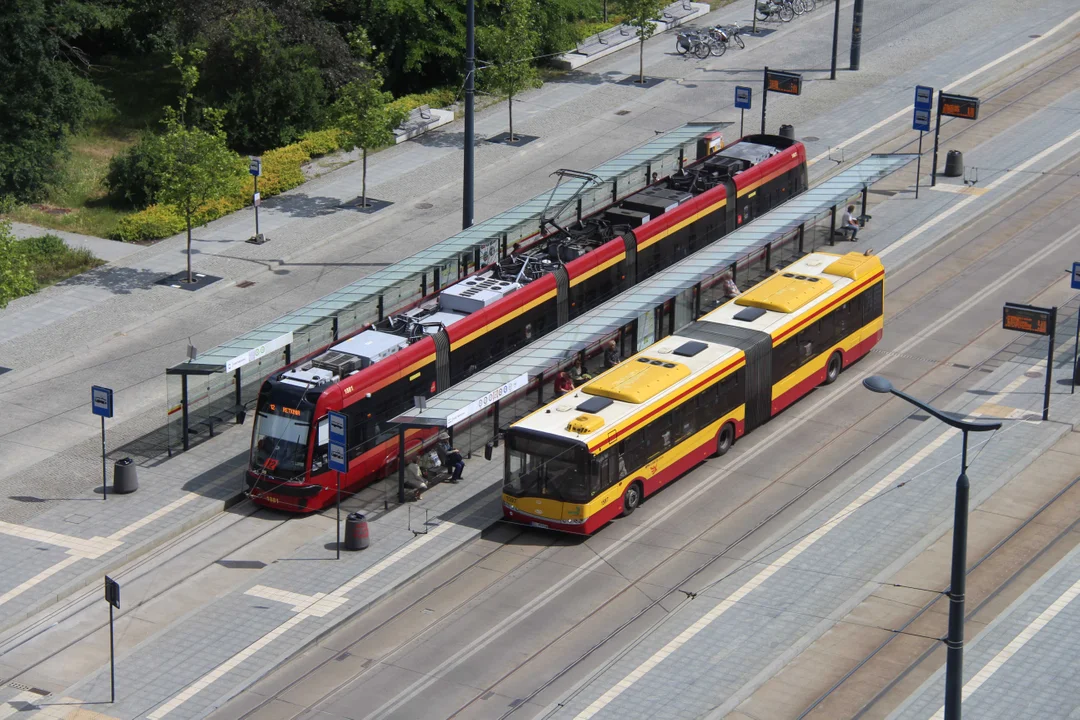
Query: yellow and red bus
[596, 453]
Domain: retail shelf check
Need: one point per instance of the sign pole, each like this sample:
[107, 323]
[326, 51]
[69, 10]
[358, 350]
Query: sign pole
[112, 659]
[104, 485]
[918, 166]
[1049, 364]
[742, 114]
[1076, 351]
[256, 203]
[338, 524]
[937, 137]
[337, 456]
[764, 97]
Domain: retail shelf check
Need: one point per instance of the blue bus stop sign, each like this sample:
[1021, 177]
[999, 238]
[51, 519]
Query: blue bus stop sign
[1076, 276]
[339, 427]
[101, 401]
[742, 97]
[924, 97]
[921, 121]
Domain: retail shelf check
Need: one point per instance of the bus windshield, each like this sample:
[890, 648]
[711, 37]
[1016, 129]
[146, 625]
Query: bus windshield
[547, 469]
[281, 441]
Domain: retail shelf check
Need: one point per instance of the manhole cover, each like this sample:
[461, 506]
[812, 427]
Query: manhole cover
[423, 206]
[810, 138]
[1033, 374]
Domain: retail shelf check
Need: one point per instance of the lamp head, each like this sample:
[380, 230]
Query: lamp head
[878, 384]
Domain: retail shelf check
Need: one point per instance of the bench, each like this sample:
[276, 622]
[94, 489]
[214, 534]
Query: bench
[863, 219]
[235, 413]
[420, 120]
[602, 40]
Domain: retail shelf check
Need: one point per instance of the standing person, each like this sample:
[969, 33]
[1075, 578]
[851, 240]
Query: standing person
[611, 355]
[851, 223]
[563, 384]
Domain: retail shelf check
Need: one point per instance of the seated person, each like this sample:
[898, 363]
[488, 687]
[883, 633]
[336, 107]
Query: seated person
[578, 374]
[563, 384]
[451, 457]
[850, 225]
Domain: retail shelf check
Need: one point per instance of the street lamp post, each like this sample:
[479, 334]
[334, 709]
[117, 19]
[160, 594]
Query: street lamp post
[954, 642]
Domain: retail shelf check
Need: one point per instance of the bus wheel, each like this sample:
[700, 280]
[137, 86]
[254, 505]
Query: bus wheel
[832, 370]
[725, 439]
[631, 498]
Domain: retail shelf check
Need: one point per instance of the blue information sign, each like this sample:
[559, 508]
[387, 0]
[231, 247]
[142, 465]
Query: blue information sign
[921, 121]
[339, 427]
[742, 97]
[101, 401]
[924, 97]
[1076, 276]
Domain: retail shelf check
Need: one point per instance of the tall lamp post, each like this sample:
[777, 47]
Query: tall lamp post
[954, 642]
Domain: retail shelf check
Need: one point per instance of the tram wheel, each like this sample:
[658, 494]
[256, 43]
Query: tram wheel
[832, 370]
[631, 498]
[725, 440]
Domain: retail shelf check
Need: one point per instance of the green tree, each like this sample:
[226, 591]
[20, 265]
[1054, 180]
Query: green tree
[510, 45]
[363, 111]
[16, 277]
[270, 87]
[642, 15]
[198, 165]
[44, 95]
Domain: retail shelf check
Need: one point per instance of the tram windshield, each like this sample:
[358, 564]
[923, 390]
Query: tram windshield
[281, 437]
[546, 468]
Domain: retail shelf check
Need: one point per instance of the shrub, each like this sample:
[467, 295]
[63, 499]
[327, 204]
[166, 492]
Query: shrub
[152, 223]
[134, 175]
[437, 98]
[321, 142]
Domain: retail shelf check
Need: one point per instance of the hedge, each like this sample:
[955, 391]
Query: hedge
[281, 171]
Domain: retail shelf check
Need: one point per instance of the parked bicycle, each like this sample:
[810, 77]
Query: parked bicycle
[779, 8]
[693, 43]
[733, 33]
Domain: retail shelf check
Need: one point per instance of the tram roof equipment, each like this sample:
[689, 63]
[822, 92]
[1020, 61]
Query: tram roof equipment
[456, 404]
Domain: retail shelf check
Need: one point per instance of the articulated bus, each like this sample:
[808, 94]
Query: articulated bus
[597, 452]
[373, 375]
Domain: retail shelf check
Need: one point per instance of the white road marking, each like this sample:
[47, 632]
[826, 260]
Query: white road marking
[908, 109]
[79, 548]
[318, 606]
[988, 670]
[961, 189]
[968, 200]
[708, 484]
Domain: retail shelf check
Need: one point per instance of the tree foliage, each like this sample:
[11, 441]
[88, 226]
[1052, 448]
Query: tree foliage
[271, 88]
[16, 277]
[509, 45]
[45, 95]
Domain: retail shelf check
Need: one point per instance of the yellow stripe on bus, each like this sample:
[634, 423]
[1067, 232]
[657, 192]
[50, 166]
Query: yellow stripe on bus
[556, 510]
[849, 293]
[817, 364]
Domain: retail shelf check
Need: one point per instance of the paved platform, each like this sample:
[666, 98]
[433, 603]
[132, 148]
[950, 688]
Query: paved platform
[1024, 664]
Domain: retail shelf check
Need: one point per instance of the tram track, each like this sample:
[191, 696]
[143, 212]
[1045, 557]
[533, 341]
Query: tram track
[405, 645]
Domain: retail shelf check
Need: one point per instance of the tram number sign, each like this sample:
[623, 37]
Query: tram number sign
[101, 401]
[783, 82]
[743, 97]
[112, 592]
[1076, 276]
[960, 106]
[339, 428]
[921, 121]
[1026, 318]
[924, 97]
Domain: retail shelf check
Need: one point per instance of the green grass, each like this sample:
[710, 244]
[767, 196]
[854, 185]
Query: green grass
[53, 261]
[137, 92]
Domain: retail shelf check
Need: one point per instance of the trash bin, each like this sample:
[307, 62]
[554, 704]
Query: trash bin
[787, 131]
[954, 164]
[125, 479]
[356, 532]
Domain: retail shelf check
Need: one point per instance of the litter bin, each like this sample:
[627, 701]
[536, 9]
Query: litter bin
[787, 131]
[954, 164]
[125, 479]
[356, 532]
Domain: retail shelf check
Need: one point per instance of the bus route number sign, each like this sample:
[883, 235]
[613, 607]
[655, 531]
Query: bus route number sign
[1026, 318]
[784, 82]
[960, 106]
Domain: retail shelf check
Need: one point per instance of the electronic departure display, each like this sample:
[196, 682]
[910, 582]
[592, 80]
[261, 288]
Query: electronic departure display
[960, 106]
[783, 82]
[1026, 318]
